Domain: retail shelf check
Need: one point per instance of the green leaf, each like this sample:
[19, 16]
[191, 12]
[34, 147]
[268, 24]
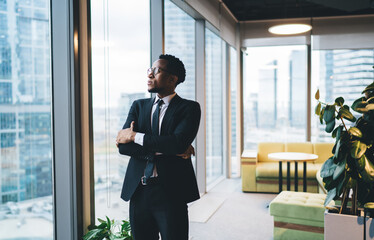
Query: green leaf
[329, 114]
[358, 149]
[370, 106]
[330, 196]
[328, 168]
[369, 88]
[359, 104]
[321, 115]
[368, 172]
[95, 234]
[339, 169]
[346, 114]
[337, 151]
[355, 132]
[318, 109]
[339, 101]
[360, 163]
[317, 95]
[101, 220]
[369, 205]
[342, 182]
[330, 126]
[370, 100]
[337, 131]
[108, 222]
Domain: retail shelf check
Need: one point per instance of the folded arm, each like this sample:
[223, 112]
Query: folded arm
[182, 137]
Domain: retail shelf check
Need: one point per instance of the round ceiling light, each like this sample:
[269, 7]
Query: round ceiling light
[287, 29]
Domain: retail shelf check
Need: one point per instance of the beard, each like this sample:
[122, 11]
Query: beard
[154, 90]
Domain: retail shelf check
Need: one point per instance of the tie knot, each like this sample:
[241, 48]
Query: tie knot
[160, 102]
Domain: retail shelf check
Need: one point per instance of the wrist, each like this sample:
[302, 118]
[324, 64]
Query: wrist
[133, 136]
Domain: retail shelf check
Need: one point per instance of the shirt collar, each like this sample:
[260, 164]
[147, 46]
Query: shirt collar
[166, 99]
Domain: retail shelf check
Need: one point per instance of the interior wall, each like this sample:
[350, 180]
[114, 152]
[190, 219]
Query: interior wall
[216, 13]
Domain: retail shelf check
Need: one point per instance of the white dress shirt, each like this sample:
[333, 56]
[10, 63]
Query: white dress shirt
[139, 137]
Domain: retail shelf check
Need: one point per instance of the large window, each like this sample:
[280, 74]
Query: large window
[214, 107]
[120, 59]
[235, 162]
[274, 95]
[26, 186]
[180, 42]
[339, 73]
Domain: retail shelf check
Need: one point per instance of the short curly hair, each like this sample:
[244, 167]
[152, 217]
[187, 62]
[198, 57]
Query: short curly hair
[175, 66]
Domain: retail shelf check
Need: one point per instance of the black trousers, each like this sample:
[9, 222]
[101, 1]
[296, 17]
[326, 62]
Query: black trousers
[153, 212]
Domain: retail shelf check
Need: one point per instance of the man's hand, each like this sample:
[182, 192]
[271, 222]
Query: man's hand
[126, 135]
[187, 154]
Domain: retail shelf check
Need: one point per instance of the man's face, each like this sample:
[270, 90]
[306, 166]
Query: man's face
[161, 81]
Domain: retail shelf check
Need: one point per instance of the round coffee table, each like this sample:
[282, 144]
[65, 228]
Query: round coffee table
[292, 157]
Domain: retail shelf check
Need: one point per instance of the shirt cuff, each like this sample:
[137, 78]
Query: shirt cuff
[139, 137]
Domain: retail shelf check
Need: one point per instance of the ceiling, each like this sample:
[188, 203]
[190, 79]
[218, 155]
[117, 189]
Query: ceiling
[247, 10]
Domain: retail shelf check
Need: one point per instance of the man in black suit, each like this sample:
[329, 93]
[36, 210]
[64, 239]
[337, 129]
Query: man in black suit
[158, 133]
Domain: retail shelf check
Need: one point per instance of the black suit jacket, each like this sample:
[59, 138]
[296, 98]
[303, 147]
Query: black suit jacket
[179, 128]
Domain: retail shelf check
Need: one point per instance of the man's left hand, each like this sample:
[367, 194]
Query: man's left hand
[126, 135]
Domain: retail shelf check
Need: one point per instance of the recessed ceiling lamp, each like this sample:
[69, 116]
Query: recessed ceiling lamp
[287, 29]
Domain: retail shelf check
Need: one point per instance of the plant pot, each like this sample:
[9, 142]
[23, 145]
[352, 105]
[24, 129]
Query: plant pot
[344, 226]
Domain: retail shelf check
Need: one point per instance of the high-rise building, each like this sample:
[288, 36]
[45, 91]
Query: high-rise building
[25, 98]
[343, 73]
[297, 110]
[180, 42]
[267, 97]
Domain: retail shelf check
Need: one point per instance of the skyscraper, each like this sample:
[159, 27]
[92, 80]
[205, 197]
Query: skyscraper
[25, 99]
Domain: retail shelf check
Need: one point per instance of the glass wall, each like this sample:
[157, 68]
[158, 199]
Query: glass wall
[235, 161]
[180, 42]
[274, 95]
[26, 185]
[214, 107]
[339, 73]
[120, 59]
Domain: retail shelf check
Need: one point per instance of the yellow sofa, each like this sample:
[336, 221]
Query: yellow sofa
[260, 174]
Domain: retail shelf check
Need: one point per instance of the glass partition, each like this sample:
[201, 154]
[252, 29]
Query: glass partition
[274, 95]
[235, 161]
[180, 42]
[120, 59]
[26, 183]
[214, 107]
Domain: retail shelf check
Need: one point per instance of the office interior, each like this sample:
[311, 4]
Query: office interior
[69, 71]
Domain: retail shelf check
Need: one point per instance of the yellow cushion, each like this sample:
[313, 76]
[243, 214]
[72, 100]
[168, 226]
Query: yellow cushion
[264, 148]
[304, 147]
[323, 150]
[271, 170]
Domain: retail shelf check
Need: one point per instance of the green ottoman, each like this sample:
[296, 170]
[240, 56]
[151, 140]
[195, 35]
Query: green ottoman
[298, 215]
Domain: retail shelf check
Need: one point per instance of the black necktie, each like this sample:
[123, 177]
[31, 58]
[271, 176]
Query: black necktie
[155, 131]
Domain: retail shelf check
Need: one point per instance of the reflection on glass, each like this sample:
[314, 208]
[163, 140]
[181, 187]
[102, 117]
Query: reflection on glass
[214, 103]
[235, 166]
[180, 42]
[120, 59]
[339, 73]
[26, 205]
[274, 95]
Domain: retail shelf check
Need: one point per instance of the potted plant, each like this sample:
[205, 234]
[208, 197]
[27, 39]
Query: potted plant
[110, 230]
[349, 173]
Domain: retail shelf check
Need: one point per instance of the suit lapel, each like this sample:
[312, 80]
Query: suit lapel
[147, 114]
[169, 113]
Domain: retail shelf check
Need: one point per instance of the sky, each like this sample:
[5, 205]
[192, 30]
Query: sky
[129, 48]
